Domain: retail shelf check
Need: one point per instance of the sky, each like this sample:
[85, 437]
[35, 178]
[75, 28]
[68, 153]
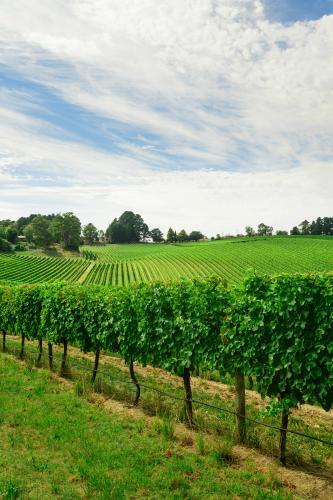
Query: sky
[199, 114]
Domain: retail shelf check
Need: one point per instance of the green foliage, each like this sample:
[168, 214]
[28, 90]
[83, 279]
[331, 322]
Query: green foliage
[277, 329]
[295, 231]
[71, 231]
[66, 230]
[156, 235]
[39, 269]
[280, 330]
[11, 233]
[171, 236]
[90, 233]
[5, 246]
[195, 236]
[40, 231]
[129, 228]
[320, 226]
[264, 230]
[134, 263]
[182, 236]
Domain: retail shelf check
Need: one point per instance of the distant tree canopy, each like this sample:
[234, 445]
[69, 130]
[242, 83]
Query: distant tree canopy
[281, 232]
[40, 231]
[195, 236]
[70, 231]
[90, 233]
[44, 231]
[249, 231]
[171, 236]
[320, 226]
[8, 231]
[156, 235]
[264, 230]
[182, 236]
[129, 228]
[295, 231]
[5, 246]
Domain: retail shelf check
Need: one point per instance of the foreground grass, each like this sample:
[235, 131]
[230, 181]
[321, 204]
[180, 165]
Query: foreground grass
[301, 453]
[56, 444]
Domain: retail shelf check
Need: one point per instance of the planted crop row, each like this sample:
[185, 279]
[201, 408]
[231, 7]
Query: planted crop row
[32, 269]
[276, 329]
[118, 265]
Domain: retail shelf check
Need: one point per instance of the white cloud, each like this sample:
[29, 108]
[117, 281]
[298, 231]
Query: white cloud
[210, 201]
[214, 83]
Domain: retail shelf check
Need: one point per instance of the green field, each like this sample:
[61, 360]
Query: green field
[124, 264]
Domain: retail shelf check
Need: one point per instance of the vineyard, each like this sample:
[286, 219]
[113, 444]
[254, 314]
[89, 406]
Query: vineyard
[277, 330]
[35, 269]
[124, 264]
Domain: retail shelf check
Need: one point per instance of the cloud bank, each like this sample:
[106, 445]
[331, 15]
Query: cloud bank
[201, 113]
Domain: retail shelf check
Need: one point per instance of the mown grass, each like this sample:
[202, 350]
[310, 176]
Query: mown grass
[55, 444]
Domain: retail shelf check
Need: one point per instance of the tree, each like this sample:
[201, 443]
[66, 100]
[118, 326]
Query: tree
[305, 227]
[90, 233]
[171, 236]
[3, 232]
[66, 230]
[5, 246]
[264, 230]
[157, 235]
[280, 232]
[129, 228]
[295, 231]
[327, 223]
[11, 233]
[196, 236]
[71, 231]
[6, 222]
[118, 233]
[182, 236]
[29, 233]
[101, 235]
[317, 226]
[40, 232]
[22, 222]
[249, 231]
[56, 228]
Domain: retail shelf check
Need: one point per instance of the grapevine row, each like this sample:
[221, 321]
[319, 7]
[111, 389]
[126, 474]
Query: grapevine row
[276, 329]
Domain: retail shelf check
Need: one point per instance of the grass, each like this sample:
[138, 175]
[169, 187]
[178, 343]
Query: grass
[300, 452]
[55, 444]
[123, 264]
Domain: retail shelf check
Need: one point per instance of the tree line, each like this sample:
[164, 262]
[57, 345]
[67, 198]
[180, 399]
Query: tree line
[66, 229]
[131, 228]
[42, 231]
[319, 226]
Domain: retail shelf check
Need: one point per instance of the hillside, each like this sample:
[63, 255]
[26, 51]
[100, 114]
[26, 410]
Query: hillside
[124, 264]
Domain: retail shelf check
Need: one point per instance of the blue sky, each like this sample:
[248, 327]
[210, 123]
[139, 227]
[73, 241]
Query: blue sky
[289, 11]
[202, 113]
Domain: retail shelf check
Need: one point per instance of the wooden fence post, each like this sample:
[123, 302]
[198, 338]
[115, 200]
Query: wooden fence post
[240, 406]
[188, 396]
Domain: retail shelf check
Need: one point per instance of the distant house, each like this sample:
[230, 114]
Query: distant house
[21, 238]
